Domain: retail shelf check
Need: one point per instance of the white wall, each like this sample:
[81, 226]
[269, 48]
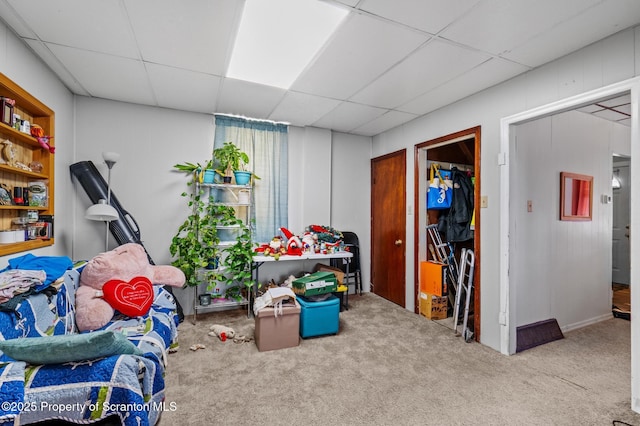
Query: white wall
[151, 140]
[607, 61]
[20, 65]
[571, 260]
[148, 153]
[312, 174]
[351, 194]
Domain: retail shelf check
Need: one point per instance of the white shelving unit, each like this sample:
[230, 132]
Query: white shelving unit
[240, 198]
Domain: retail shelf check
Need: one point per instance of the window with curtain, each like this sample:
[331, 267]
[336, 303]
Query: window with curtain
[266, 144]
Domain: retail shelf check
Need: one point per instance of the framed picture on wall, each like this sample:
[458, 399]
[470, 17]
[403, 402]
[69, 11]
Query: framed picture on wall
[576, 196]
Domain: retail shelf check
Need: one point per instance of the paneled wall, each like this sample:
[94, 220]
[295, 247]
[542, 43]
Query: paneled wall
[607, 61]
[561, 269]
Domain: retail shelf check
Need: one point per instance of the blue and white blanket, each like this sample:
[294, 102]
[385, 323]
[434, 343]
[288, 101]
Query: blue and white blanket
[129, 386]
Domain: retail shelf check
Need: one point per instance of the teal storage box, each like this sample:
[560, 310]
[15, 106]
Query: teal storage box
[320, 282]
[319, 318]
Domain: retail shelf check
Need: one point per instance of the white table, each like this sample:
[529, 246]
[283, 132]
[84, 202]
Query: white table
[258, 260]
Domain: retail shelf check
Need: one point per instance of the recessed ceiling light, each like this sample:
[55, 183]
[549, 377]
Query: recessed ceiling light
[278, 38]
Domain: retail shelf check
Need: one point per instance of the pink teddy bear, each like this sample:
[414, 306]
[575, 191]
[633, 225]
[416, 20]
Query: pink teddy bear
[122, 263]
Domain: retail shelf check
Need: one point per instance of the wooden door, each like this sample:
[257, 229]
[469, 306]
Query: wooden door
[388, 226]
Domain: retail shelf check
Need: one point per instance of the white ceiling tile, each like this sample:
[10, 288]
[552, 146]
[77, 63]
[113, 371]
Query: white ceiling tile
[348, 116]
[481, 77]
[380, 58]
[100, 26]
[170, 33]
[301, 109]
[426, 15]
[498, 26]
[426, 69]
[617, 101]
[351, 3]
[610, 115]
[106, 76]
[61, 71]
[593, 24]
[626, 122]
[625, 109]
[590, 109]
[184, 90]
[386, 121]
[15, 22]
[248, 99]
[362, 49]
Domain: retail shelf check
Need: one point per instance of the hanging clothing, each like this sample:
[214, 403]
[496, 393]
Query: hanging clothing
[456, 222]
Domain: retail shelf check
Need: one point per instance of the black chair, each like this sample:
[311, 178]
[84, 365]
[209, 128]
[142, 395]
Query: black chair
[351, 241]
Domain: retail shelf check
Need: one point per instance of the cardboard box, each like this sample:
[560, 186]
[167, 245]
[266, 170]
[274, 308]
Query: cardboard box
[278, 332]
[318, 318]
[433, 278]
[339, 273]
[320, 282]
[432, 307]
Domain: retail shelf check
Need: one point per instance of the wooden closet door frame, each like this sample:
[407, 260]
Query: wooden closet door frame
[473, 132]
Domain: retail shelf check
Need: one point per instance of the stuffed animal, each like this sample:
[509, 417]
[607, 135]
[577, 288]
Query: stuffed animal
[126, 271]
[294, 244]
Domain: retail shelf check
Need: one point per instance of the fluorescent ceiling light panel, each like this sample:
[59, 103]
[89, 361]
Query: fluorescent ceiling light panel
[278, 38]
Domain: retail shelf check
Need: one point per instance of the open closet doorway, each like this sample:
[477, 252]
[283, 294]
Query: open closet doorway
[460, 150]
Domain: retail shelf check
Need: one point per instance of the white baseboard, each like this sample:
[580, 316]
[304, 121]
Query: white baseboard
[586, 322]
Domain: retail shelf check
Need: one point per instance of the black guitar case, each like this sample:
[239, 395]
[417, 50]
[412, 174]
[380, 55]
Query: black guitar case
[124, 229]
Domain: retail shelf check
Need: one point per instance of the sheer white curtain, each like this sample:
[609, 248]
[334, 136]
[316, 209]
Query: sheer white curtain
[266, 143]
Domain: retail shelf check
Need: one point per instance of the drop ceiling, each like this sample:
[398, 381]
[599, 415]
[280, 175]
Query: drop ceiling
[617, 109]
[388, 63]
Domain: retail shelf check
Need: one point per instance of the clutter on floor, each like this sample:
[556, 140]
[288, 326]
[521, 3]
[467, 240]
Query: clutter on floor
[278, 327]
[621, 303]
[222, 332]
[303, 307]
[319, 315]
[536, 334]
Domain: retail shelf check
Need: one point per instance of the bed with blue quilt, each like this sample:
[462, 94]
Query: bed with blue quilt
[129, 386]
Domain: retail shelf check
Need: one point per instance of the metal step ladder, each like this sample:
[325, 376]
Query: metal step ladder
[465, 285]
[444, 253]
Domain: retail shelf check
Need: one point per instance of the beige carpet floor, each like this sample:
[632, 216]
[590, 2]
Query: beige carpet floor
[388, 366]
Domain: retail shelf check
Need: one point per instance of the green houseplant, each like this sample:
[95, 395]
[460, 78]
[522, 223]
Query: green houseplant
[238, 261]
[200, 171]
[196, 243]
[231, 160]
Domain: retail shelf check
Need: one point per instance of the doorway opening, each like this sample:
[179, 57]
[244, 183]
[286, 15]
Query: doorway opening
[620, 248]
[510, 287]
[459, 150]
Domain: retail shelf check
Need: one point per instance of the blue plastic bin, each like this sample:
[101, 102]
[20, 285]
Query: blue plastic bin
[319, 318]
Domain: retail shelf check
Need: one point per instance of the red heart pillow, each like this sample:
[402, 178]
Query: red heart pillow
[133, 298]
